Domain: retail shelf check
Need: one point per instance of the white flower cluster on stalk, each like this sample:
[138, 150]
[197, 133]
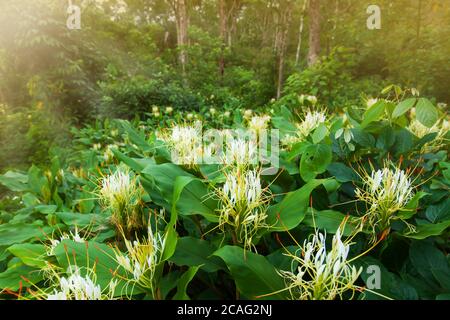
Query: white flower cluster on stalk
[241, 152]
[311, 120]
[121, 193]
[259, 123]
[441, 128]
[243, 204]
[185, 142]
[385, 191]
[321, 274]
[78, 287]
[142, 258]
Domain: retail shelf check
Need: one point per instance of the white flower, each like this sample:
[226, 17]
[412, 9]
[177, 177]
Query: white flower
[258, 123]
[370, 102]
[310, 122]
[50, 249]
[248, 113]
[385, 192]
[185, 142]
[328, 273]
[212, 111]
[120, 192]
[419, 130]
[240, 152]
[190, 116]
[155, 109]
[243, 204]
[169, 110]
[247, 190]
[77, 287]
[142, 257]
[227, 114]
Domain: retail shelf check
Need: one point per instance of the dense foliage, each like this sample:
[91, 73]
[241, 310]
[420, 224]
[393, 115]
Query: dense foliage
[95, 205]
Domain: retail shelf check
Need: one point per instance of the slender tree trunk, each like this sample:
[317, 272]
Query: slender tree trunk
[314, 32]
[282, 46]
[222, 33]
[182, 23]
[300, 33]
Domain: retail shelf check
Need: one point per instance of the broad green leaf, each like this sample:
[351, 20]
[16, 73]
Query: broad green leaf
[191, 196]
[314, 161]
[196, 252]
[426, 113]
[329, 220]
[292, 209]
[19, 276]
[31, 254]
[403, 107]
[12, 233]
[183, 283]
[342, 173]
[428, 230]
[14, 181]
[83, 219]
[253, 274]
[374, 113]
[93, 254]
[320, 133]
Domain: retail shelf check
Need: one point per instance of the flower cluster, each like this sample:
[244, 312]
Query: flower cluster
[259, 123]
[78, 287]
[243, 204]
[185, 142]
[74, 236]
[441, 128]
[142, 258]
[311, 120]
[385, 192]
[241, 152]
[321, 274]
[121, 193]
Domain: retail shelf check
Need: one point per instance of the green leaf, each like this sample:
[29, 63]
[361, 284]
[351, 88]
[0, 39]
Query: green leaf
[403, 106]
[287, 214]
[31, 254]
[329, 220]
[374, 113]
[428, 230]
[83, 219]
[320, 133]
[191, 197]
[411, 206]
[314, 161]
[18, 276]
[342, 173]
[196, 252]
[46, 209]
[15, 181]
[253, 274]
[426, 113]
[183, 283]
[20, 232]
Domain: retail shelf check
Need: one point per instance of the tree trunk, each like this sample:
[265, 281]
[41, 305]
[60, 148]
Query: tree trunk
[182, 23]
[222, 34]
[300, 33]
[314, 32]
[285, 21]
